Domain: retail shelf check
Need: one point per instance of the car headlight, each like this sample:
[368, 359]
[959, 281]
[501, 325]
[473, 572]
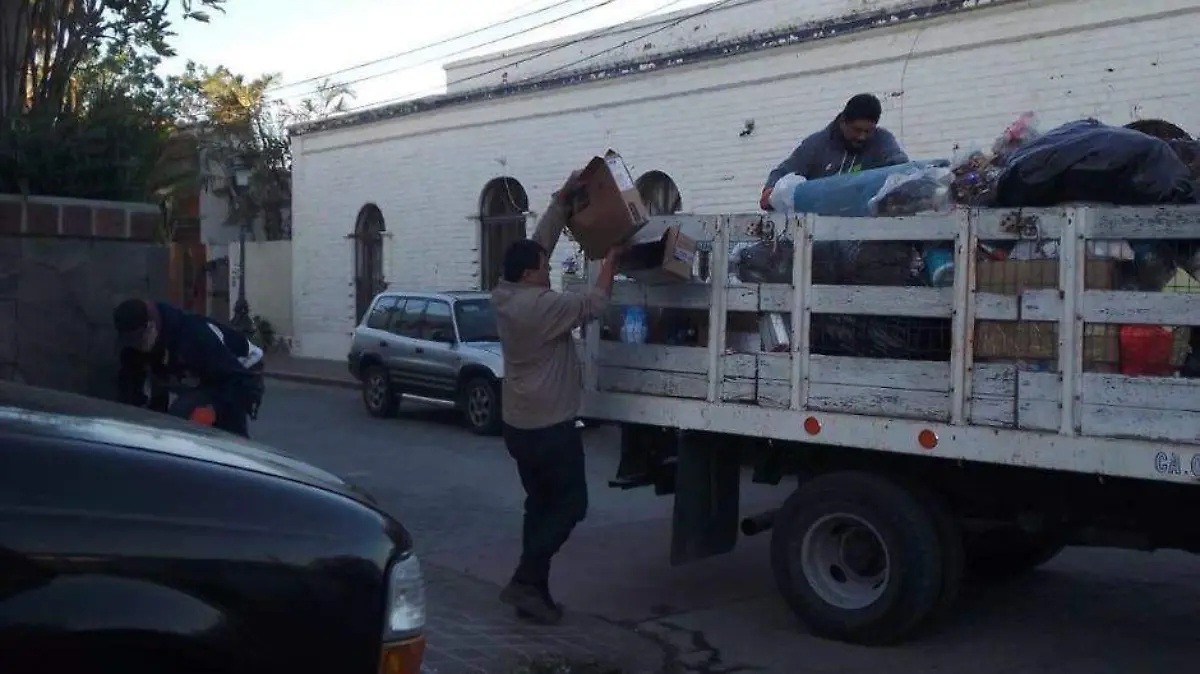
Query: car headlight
[405, 615]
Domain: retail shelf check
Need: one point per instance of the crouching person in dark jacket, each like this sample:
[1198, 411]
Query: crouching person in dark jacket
[161, 344]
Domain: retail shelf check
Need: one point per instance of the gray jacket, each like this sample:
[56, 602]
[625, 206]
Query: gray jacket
[825, 153]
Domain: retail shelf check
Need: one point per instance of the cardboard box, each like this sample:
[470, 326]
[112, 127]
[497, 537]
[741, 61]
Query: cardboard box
[1013, 277]
[1038, 341]
[607, 207]
[667, 259]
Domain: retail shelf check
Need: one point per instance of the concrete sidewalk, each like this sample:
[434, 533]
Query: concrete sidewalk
[309, 371]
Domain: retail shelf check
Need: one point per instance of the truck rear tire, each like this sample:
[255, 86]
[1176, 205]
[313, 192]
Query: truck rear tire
[1000, 555]
[950, 537]
[858, 558]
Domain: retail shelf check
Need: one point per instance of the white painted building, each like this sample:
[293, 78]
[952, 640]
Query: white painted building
[677, 95]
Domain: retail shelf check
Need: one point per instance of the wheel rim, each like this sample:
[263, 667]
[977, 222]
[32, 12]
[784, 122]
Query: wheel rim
[845, 562]
[376, 390]
[479, 405]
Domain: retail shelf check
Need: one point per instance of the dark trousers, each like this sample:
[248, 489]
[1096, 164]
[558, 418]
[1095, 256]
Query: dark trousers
[551, 464]
[232, 418]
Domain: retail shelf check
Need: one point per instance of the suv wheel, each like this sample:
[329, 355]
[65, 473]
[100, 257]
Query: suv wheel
[379, 396]
[481, 406]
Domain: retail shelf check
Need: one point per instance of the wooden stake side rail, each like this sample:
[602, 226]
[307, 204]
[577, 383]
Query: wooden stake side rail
[959, 393]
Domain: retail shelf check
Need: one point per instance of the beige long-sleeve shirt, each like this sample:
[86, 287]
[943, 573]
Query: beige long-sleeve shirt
[543, 378]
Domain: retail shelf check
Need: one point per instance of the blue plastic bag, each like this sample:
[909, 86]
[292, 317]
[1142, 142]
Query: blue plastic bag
[850, 194]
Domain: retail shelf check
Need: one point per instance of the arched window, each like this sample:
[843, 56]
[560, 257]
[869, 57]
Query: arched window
[368, 257]
[502, 210]
[660, 193]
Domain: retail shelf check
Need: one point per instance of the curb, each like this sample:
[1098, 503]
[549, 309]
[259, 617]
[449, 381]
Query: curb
[315, 380]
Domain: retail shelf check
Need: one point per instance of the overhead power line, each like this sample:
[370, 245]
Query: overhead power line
[570, 43]
[472, 48]
[317, 79]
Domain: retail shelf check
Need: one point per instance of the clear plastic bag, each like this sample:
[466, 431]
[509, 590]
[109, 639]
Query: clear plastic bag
[912, 192]
[973, 176]
[973, 156]
[849, 194]
[1021, 132]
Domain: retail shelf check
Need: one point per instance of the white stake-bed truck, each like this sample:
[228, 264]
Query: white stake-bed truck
[912, 473]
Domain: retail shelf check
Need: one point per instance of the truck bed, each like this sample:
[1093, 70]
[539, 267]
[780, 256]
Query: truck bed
[963, 406]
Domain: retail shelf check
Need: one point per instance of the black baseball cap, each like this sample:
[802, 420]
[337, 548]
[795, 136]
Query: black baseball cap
[130, 319]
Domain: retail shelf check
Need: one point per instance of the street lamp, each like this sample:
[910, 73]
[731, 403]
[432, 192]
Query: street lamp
[241, 308]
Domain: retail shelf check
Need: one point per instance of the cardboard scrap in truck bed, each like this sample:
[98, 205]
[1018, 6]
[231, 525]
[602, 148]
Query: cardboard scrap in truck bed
[607, 207]
[665, 258]
[1038, 341]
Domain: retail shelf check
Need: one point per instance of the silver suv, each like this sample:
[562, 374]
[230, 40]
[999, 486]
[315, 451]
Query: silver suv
[435, 347]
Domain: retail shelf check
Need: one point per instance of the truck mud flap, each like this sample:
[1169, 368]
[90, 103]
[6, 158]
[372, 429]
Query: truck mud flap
[647, 458]
[707, 492]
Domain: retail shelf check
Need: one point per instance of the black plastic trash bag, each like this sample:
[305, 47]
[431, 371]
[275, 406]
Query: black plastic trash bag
[766, 262]
[1090, 161]
[876, 263]
[896, 337]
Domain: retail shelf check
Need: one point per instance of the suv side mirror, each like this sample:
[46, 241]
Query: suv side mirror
[441, 336]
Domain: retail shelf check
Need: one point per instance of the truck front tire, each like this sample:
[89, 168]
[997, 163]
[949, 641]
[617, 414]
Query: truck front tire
[859, 558]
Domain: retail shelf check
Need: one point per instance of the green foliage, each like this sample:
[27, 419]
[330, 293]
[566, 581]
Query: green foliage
[82, 112]
[106, 141]
[239, 126]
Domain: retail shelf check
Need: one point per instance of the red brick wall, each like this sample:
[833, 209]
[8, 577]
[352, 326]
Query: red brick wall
[78, 218]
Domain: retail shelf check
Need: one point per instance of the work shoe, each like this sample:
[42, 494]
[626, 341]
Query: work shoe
[530, 604]
[529, 617]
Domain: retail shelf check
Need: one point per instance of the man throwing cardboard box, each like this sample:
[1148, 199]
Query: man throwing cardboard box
[542, 390]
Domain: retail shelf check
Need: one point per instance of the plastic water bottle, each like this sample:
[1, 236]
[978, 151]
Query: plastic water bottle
[939, 266]
[633, 327]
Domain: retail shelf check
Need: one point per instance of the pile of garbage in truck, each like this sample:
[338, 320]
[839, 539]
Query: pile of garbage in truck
[1084, 161]
[1080, 162]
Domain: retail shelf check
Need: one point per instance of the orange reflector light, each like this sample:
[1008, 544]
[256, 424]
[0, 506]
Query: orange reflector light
[812, 426]
[927, 438]
[402, 657]
[205, 415]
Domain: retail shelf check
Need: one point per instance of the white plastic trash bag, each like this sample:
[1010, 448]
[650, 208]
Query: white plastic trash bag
[782, 199]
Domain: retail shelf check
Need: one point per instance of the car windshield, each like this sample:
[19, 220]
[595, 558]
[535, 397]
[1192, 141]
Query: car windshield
[476, 320]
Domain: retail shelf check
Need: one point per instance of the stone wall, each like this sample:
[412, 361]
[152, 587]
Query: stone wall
[64, 264]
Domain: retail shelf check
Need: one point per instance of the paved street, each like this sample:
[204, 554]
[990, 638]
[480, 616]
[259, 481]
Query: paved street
[1090, 611]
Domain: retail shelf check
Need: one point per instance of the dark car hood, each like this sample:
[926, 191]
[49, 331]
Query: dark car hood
[53, 413]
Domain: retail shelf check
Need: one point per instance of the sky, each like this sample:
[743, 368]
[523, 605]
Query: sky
[315, 38]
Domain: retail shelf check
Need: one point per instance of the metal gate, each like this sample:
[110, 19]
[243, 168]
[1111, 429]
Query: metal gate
[218, 289]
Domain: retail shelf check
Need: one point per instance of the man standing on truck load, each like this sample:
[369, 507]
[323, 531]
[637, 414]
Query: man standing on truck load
[852, 142]
[540, 398]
